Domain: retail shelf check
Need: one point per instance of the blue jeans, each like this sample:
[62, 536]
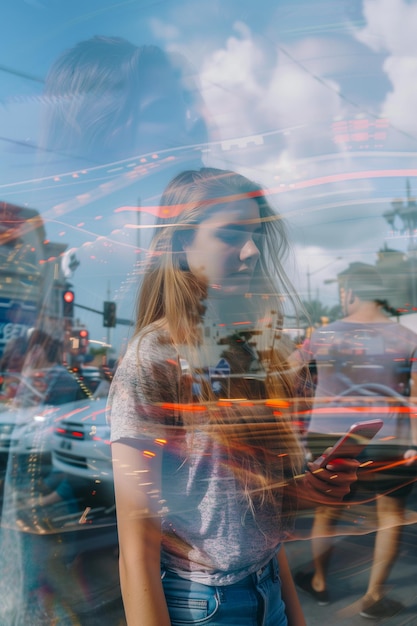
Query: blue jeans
[254, 601]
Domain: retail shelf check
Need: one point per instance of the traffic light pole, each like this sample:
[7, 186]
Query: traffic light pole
[119, 320]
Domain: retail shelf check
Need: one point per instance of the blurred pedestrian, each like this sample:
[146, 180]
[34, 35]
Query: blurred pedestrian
[14, 354]
[365, 360]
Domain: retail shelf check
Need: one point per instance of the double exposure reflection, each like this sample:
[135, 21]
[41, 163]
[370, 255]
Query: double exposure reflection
[207, 482]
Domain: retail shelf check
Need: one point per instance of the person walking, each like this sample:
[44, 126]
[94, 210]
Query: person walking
[365, 353]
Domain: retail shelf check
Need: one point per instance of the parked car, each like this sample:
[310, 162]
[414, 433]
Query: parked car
[28, 405]
[81, 446]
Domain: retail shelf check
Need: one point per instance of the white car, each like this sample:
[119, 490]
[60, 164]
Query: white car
[81, 443]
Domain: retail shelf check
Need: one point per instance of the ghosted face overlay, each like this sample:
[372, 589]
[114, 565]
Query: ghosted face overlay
[162, 112]
[226, 247]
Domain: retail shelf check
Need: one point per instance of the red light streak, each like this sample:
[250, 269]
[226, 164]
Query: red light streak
[169, 211]
[187, 408]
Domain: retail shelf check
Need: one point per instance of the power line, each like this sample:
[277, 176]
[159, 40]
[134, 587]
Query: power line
[341, 95]
[9, 70]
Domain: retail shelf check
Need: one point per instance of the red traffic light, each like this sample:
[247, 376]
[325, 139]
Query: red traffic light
[83, 336]
[68, 296]
[68, 304]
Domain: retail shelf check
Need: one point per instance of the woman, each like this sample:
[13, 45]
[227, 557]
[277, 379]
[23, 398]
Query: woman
[201, 481]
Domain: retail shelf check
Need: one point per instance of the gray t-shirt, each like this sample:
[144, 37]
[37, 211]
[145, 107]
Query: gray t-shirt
[209, 532]
[354, 360]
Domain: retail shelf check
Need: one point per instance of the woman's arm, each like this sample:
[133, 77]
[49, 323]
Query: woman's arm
[293, 608]
[137, 480]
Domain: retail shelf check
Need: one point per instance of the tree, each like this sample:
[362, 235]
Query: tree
[317, 313]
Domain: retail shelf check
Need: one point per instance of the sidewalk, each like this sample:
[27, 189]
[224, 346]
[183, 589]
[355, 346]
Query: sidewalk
[349, 571]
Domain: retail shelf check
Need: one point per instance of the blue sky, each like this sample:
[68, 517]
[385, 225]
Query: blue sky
[314, 99]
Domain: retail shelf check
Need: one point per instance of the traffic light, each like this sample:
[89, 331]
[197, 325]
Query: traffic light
[68, 303]
[83, 335]
[109, 315]
[79, 341]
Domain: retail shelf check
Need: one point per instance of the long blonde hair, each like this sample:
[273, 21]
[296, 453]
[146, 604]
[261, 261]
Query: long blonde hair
[261, 451]
[169, 290]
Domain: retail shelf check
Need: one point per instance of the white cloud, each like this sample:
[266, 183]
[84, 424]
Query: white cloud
[249, 89]
[296, 96]
[231, 84]
[401, 103]
[391, 29]
[163, 30]
[390, 26]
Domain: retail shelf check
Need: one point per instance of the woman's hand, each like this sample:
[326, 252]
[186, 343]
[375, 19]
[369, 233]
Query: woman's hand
[326, 485]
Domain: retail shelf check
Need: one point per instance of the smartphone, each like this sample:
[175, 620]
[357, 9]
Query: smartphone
[351, 443]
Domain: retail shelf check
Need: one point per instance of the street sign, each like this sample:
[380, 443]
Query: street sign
[221, 369]
[220, 378]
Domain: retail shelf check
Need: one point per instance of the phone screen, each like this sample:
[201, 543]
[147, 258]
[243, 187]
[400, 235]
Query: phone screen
[351, 444]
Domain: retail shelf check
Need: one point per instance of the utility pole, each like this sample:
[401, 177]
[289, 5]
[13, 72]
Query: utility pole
[108, 328]
[309, 274]
[406, 213]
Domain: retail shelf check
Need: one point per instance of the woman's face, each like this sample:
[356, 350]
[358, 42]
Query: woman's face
[225, 247]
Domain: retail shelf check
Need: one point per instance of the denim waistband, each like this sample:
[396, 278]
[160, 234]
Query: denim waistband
[268, 571]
